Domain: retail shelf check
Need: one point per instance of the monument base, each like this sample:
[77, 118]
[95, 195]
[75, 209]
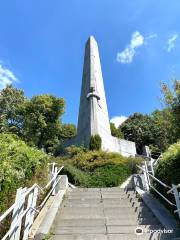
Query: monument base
[110, 144]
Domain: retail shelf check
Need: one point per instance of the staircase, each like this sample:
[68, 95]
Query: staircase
[105, 214]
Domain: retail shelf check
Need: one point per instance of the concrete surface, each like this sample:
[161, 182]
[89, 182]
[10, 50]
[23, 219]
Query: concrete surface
[104, 214]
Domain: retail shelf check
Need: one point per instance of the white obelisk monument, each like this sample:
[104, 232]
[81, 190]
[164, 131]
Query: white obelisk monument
[93, 112]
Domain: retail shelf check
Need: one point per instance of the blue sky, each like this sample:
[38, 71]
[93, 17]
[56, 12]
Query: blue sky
[42, 48]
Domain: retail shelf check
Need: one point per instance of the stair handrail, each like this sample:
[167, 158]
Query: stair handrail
[32, 194]
[173, 189]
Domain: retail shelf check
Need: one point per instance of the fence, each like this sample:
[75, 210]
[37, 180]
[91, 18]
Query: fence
[148, 170]
[25, 206]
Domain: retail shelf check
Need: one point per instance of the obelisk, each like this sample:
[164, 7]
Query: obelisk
[93, 113]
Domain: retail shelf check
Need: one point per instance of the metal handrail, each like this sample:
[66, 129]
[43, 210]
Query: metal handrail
[54, 177]
[46, 198]
[163, 184]
[27, 192]
[172, 204]
[9, 210]
[172, 189]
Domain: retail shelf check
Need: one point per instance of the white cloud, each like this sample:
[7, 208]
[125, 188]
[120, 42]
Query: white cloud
[127, 55]
[171, 42]
[137, 40]
[6, 77]
[118, 120]
[150, 36]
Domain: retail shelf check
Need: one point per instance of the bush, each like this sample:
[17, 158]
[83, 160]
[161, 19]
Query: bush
[20, 165]
[168, 171]
[95, 142]
[96, 168]
[109, 175]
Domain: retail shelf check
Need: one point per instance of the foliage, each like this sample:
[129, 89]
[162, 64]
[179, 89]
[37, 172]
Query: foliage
[36, 120]
[76, 176]
[145, 130]
[95, 142]
[169, 166]
[96, 168]
[73, 150]
[168, 169]
[12, 102]
[19, 165]
[165, 133]
[68, 131]
[42, 126]
[116, 132]
[109, 175]
[171, 97]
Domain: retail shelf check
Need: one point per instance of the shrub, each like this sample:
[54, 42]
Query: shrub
[19, 165]
[95, 142]
[109, 175]
[168, 170]
[96, 168]
[76, 176]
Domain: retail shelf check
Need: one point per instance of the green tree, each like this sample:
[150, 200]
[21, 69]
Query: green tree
[68, 131]
[95, 142]
[116, 132]
[143, 130]
[164, 136]
[12, 103]
[171, 98]
[42, 125]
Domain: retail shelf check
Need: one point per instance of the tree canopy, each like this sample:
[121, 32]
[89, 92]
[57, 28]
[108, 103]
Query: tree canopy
[116, 132]
[36, 120]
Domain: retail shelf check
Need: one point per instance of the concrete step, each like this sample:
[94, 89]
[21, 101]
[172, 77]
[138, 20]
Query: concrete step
[99, 195]
[117, 196]
[122, 210]
[80, 237]
[84, 196]
[99, 203]
[107, 210]
[101, 229]
[131, 229]
[85, 190]
[79, 213]
[131, 221]
[113, 189]
[144, 236]
[77, 200]
[80, 230]
[127, 215]
[80, 222]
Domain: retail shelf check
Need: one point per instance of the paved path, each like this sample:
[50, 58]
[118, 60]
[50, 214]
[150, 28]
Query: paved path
[103, 214]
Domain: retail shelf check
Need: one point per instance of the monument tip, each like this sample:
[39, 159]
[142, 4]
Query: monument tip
[92, 38]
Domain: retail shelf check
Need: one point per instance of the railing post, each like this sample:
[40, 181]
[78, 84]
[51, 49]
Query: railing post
[152, 167]
[54, 182]
[177, 198]
[146, 178]
[30, 214]
[18, 210]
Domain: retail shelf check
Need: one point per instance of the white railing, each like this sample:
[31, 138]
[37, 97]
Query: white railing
[148, 184]
[25, 206]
